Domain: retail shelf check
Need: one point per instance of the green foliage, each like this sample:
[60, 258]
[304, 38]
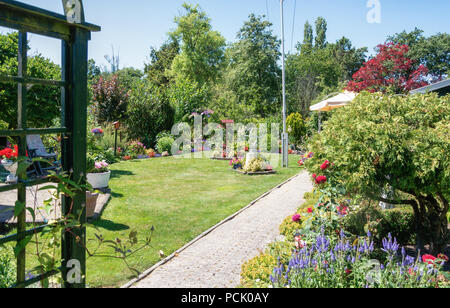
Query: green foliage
[398, 221]
[202, 49]
[257, 271]
[253, 74]
[319, 69]
[321, 33]
[187, 97]
[393, 141]
[43, 102]
[158, 70]
[164, 144]
[433, 51]
[307, 75]
[296, 127]
[129, 77]
[7, 270]
[290, 228]
[149, 112]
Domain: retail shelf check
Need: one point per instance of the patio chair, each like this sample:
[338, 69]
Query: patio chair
[36, 149]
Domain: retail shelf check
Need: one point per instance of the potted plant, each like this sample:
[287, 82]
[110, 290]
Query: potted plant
[9, 161]
[98, 175]
[98, 132]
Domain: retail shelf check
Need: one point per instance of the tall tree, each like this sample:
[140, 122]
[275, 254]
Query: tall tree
[253, 73]
[308, 38]
[158, 70]
[391, 70]
[348, 57]
[43, 102]
[321, 33]
[202, 49]
[432, 52]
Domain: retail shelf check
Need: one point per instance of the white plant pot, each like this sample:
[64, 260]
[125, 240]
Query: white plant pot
[99, 180]
[12, 168]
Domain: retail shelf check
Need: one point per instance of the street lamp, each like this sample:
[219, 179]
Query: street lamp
[285, 136]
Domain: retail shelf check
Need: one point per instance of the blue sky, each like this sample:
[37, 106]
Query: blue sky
[133, 26]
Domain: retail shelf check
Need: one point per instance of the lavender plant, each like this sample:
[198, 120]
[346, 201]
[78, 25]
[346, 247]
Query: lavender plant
[336, 262]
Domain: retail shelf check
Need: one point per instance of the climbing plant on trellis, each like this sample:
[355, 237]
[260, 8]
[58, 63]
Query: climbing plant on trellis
[74, 34]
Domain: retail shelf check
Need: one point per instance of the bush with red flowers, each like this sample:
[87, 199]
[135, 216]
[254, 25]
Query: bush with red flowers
[10, 154]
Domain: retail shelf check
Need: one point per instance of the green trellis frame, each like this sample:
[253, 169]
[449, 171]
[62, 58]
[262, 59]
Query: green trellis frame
[74, 38]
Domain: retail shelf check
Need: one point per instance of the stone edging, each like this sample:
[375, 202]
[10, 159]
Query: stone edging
[176, 253]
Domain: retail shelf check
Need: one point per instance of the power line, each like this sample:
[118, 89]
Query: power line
[267, 9]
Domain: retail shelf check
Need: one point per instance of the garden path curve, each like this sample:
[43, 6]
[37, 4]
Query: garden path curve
[215, 260]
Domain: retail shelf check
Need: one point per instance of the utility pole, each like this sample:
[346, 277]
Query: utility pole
[285, 139]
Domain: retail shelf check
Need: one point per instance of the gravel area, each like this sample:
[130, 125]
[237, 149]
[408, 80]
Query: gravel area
[215, 260]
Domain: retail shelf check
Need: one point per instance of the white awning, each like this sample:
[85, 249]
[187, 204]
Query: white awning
[337, 101]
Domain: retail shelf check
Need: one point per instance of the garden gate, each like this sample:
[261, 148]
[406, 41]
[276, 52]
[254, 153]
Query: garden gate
[74, 34]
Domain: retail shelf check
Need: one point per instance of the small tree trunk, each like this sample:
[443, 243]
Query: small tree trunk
[432, 226]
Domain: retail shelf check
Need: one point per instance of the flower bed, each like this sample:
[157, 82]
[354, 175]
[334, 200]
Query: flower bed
[318, 252]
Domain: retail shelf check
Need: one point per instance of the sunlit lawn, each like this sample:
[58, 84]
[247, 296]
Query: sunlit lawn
[181, 198]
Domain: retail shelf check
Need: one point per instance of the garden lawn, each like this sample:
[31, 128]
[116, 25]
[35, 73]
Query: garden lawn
[181, 198]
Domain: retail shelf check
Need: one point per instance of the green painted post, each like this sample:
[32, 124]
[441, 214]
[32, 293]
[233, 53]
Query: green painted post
[75, 59]
[21, 124]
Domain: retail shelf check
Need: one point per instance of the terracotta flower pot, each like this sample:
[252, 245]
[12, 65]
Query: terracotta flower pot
[91, 202]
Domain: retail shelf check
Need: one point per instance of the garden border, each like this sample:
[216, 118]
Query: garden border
[202, 235]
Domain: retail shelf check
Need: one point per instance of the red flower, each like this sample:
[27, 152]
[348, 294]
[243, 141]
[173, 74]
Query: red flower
[321, 179]
[314, 176]
[310, 210]
[342, 209]
[428, 259]
[348, 271]
[296, 218]
[325, 165]
[300, 163]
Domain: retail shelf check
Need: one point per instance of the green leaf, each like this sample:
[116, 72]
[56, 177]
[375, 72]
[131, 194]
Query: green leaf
[18, 208]
[21, 245]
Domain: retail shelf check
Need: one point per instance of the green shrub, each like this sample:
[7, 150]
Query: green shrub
[7, 271]
[149, 112]
[296, 128]
[281, 250]
[289, 228]
[165, 144]
[398, 221]
[401, 142]
[256, 272]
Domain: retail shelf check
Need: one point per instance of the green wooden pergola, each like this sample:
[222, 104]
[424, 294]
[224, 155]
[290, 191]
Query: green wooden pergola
[74, 37]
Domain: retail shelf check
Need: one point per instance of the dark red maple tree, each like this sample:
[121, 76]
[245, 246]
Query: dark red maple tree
[391, 70]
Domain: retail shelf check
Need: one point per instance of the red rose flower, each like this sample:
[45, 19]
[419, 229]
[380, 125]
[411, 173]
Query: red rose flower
[325, 165]
[296, 218]
[321, 179]
[310, 210]
[428, 259]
